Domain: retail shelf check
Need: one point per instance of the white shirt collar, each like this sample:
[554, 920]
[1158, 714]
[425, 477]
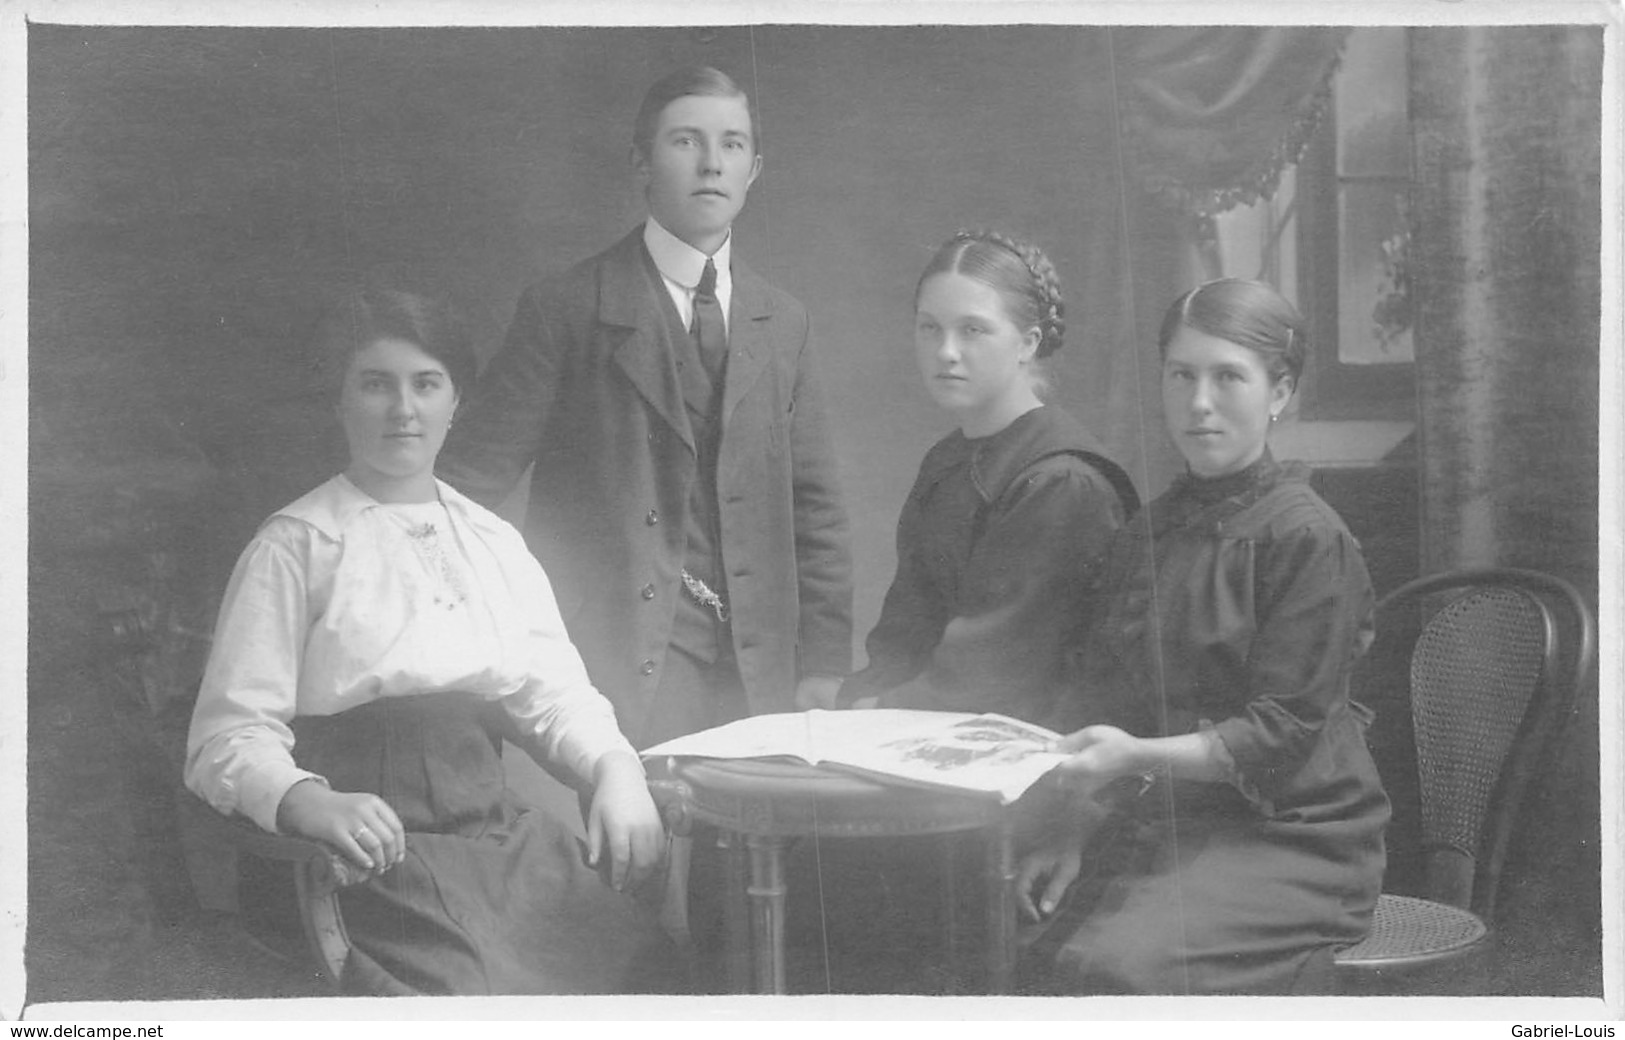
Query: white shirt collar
[331, 506]
[680, 262]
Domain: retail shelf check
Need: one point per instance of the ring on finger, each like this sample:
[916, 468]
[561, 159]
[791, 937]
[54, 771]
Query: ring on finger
[361, 832]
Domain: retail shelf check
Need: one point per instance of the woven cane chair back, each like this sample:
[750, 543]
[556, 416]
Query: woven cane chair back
[1476, 667]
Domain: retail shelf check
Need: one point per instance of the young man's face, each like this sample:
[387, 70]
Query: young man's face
[701, 162]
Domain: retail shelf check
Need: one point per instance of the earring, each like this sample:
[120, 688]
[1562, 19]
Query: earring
[1274, 417]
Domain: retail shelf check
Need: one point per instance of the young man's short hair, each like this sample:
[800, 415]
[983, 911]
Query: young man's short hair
[690, 81]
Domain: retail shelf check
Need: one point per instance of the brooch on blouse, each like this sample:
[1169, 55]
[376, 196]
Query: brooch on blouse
[425, 539]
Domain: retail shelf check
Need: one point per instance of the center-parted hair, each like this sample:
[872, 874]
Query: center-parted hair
[360, 317]
[1018, 271]
[689, 81]
[1247, 313]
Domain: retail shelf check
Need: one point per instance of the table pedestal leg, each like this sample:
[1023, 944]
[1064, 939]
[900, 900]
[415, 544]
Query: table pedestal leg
[1001, 907]
[767, 911]
[953, 934]
[735, 912]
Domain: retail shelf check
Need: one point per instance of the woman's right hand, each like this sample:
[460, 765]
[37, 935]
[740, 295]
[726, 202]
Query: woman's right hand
[1101, 754]
[361, 826]
[623, 823]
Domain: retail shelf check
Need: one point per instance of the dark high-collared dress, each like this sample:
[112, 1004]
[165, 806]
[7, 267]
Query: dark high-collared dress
[996, 547]
[1241, 604]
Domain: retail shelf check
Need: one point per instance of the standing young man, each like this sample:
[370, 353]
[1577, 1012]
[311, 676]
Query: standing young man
[684, 499]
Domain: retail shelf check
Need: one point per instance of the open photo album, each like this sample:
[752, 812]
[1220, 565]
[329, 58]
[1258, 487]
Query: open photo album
[986, 754]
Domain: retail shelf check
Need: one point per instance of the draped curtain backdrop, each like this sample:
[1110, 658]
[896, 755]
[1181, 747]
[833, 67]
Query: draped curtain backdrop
[1507, 281]
[1507, 278]
[1211, 116]
[1206, 118]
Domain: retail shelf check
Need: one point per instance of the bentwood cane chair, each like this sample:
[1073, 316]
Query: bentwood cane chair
[313, 871]
[1494, 674]
[232, 863]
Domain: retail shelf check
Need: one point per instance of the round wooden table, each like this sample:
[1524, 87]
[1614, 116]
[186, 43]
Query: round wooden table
[766, 803]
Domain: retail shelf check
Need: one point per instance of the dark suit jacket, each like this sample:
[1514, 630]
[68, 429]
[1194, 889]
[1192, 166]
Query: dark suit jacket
[586, 388]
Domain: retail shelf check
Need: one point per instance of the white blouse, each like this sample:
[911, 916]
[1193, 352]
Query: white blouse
[340, 599]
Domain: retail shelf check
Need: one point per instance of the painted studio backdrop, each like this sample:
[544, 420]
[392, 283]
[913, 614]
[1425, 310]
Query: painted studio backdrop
[1429, 196]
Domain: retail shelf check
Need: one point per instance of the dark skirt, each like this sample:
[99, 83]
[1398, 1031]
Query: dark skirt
[1221, 901]
[492, 897]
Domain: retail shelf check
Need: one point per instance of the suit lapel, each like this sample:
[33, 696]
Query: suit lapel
[749, 338]
[627, 299]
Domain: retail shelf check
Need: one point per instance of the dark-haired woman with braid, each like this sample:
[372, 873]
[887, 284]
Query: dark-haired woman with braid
[1001, 533]
[997, 546]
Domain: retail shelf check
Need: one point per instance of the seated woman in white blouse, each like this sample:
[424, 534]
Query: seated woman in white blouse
[369, 633]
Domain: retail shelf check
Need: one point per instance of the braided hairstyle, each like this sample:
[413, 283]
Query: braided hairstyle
[1018, 271]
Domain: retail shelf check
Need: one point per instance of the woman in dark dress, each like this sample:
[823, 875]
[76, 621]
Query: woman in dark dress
[1001, 533]
[1226, 829]
[996, 546]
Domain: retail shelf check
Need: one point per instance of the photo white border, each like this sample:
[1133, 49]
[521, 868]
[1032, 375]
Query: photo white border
[1259, 1016]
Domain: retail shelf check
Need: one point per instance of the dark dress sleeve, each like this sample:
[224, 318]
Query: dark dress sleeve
[1313, 606]
[1001, 644]
[911, 617]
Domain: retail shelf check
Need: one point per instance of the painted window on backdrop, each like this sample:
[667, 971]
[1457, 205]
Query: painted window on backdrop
[1334, 239]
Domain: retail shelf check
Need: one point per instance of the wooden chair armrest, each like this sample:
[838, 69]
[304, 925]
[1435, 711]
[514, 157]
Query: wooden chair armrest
[671, 797]
[319, 872]
[326, 867]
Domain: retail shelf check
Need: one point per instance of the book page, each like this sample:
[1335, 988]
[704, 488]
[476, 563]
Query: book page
[989, 754]
[787, 734]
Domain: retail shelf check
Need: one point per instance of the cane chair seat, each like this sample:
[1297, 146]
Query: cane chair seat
[1407, 930]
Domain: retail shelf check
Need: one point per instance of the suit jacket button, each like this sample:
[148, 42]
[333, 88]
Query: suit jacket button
[647, 592]
[646, 668]
[652, 518]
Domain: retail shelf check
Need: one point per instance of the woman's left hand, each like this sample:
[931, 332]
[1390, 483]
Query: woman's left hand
[1100, 754]
[1044, 875]
[623, 822]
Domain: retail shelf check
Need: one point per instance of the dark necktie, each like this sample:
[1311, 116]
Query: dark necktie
[710, 335]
